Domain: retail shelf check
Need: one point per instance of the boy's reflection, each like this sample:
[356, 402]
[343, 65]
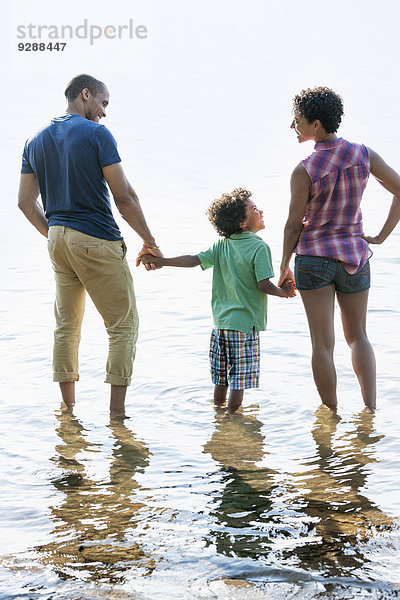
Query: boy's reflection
[95, 521]
[239, 508]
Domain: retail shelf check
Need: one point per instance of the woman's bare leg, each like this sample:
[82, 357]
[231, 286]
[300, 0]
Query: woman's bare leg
[354, 319]
[319, 305]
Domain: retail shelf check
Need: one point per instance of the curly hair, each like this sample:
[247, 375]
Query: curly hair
[228, 212]
[320, 103]
[79, 83]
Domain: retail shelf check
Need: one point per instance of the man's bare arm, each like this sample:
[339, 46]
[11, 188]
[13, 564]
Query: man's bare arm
[128, 205]
[27, 201]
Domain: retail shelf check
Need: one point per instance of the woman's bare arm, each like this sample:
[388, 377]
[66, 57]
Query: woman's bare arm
[390, 180]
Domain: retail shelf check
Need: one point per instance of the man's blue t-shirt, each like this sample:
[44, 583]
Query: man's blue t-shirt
[67, 158]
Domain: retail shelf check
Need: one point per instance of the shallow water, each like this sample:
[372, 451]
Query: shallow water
[282, 500]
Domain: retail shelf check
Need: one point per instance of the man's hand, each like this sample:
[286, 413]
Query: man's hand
[149, 260]
[149, 253]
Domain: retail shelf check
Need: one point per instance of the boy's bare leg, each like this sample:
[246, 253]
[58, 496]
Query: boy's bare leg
[68, 393]
[117, 400]
[235, 400]
[220, 394]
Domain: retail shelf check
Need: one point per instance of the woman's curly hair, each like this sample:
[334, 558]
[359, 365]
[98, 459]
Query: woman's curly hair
[320, 103]
[228, 212]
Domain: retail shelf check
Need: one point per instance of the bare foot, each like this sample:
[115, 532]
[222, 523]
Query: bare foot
[118, 417]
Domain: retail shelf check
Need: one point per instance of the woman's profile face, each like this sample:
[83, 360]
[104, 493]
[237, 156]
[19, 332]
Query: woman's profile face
[303, 128]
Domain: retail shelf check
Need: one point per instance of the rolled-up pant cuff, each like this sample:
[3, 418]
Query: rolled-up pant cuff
[117, 379]
[65, 377]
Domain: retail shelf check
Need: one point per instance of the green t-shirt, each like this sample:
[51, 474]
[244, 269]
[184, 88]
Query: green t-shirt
[239, 262]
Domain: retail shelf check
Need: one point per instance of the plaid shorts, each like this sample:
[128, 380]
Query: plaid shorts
[235, 358]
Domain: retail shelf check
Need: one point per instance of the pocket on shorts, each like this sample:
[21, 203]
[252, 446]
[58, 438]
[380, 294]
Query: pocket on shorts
[311, 272]
[84, 244]
[118, 248]
[92, 248]
[51, 245]
[356, 282]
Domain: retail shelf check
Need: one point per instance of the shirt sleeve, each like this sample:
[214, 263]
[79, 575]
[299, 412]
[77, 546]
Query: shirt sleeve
[206, 258]
[106, 147]
[263, 263]
[26, 166]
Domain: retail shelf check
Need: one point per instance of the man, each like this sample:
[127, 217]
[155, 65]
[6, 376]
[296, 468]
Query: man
[69, 163]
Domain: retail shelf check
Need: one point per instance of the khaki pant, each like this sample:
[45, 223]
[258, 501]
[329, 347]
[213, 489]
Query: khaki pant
[81, 264]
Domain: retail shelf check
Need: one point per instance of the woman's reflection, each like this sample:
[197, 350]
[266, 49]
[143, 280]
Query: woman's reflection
[317, 519]
[340, 517]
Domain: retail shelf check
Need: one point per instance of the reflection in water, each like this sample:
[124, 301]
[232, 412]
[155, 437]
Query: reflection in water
[330, 494]
[316, 520]
[95, 521]
[240, 505]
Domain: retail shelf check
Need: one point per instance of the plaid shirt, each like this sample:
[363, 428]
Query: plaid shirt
[332, 224]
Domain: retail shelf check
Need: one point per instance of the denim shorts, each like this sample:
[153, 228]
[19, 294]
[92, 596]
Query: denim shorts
[315, 272]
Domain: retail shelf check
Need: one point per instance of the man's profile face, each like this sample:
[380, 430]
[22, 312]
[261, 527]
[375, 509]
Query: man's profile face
[95, 105]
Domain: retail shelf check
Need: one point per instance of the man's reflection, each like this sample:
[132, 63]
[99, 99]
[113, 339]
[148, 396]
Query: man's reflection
[94, 524]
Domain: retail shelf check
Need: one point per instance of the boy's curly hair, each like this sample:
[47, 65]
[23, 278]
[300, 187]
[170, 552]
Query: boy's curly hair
[228, 212]
[320, 103]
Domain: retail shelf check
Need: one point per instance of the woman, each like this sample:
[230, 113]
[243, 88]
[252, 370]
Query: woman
[324, 229]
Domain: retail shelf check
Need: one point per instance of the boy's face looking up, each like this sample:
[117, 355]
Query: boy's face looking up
[254, 218]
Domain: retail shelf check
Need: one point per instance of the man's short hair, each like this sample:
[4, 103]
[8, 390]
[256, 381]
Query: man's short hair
[228, 212]
[320, 103]
[79, 83]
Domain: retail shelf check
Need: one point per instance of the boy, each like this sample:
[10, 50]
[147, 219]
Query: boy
[241, 282]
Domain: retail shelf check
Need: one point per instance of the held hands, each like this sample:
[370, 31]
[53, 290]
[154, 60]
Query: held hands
[147, 256]
[288, 287]
[150, 262]
[286, 274]
[286, 282]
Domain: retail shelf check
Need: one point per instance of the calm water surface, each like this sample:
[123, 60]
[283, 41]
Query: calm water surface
[282, 500]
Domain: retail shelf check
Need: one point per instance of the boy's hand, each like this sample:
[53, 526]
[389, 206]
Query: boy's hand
[151, 261]
[288, 287]
[151, 252]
